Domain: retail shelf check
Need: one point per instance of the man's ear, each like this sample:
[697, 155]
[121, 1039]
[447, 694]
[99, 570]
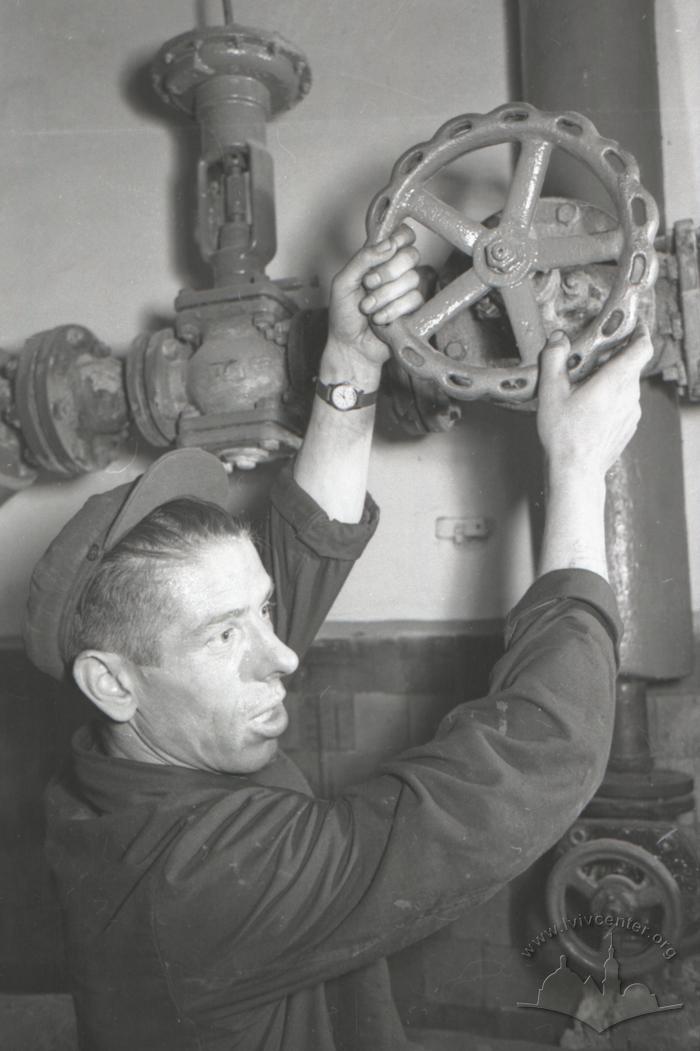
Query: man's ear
[106, 678]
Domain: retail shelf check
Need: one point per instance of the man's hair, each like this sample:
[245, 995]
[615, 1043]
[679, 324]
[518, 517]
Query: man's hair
[129, 600]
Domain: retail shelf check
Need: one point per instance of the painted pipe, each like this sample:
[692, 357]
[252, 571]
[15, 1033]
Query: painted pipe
[599, 58]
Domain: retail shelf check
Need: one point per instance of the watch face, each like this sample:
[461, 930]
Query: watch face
[344, 396]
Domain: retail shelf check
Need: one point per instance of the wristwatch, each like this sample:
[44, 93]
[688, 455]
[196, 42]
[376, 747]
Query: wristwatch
[344, 396]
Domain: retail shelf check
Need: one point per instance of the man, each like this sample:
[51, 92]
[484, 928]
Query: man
[211, 901]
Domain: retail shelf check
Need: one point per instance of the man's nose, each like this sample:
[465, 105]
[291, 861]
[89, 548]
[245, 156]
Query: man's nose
[274, 656]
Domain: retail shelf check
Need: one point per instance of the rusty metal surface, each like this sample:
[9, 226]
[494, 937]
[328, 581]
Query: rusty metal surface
[15, 474]
[507, 257]
[417, 406]
[221, 380]
[189, 60]
[568, 299]
[156, 382]
[244, 439]
[70, 401]
[686, 256]
[236, 367]
[656, 794]
[667, 334]
[232, 79]
[226, 386]
[647, 543]
[236, 230]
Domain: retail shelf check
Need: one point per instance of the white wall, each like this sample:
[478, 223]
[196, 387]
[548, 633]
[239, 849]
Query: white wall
[90, 234]
[88, 224]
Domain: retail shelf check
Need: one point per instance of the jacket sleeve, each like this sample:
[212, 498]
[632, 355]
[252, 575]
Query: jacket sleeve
[309, 557]
[278, 891]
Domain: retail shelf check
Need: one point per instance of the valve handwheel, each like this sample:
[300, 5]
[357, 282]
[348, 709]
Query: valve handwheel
[612, 877]
[507, 257]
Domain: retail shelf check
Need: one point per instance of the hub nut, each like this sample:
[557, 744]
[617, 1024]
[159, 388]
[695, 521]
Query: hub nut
[501, 257]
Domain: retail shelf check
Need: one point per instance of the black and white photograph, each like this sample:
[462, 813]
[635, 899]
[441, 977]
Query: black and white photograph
[350, 525]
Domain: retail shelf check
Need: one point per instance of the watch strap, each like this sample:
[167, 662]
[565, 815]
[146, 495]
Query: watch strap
[363, 398]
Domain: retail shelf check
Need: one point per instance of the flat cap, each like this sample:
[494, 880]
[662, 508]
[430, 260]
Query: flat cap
[65, 570]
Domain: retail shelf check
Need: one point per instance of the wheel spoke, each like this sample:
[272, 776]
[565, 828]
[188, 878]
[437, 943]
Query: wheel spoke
[585, 884]
[526, 187]
[444, 220]
[648, 893]
[578, 250]
[460, 293]
[525, 319]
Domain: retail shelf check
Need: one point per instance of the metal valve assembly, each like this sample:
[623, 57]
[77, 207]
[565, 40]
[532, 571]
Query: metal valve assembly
[226, 376]
[233, 374]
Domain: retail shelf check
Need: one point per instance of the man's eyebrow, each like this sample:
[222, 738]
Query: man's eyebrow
[234, 614]
[222, 618]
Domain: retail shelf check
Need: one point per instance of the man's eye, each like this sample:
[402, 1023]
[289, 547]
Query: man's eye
[226, 635]
[268, 610]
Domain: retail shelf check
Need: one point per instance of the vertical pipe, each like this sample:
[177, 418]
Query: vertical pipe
[599, 58]
[630, 750]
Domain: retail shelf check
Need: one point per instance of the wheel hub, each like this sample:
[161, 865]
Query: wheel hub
[502, 261]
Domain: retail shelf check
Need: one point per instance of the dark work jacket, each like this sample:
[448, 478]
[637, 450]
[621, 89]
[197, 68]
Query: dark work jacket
[212, 912]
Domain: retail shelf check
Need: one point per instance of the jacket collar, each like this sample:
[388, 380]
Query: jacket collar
[110, 783]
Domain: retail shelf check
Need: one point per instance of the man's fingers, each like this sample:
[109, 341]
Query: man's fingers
[371, 256]
[403, 235]
[620, 369]
[386, 293]
[553, 359]
[405, 304]
[588, 424]
[405, 259]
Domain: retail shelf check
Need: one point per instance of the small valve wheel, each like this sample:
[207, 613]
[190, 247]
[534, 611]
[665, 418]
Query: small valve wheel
[612, 877]
[506, 257]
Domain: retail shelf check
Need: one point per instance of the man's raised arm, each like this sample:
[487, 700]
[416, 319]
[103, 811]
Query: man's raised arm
[584, 429]
[380, 282]
[321, 519]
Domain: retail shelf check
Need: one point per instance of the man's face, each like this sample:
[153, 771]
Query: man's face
[215, 701]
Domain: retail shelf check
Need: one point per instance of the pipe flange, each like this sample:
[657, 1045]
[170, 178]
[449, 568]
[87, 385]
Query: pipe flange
[69, 400]
[187, 61]
[655, 793]
[156, 381]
